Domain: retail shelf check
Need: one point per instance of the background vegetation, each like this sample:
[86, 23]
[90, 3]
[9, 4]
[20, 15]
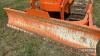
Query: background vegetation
[17, 43]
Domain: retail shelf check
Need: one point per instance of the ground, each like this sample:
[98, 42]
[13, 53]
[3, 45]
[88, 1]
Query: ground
[17, 43]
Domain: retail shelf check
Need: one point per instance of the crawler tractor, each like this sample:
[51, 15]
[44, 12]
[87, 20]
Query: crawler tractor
[66, 21]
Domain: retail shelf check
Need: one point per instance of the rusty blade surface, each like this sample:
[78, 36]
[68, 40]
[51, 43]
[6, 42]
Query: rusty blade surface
[70, 34]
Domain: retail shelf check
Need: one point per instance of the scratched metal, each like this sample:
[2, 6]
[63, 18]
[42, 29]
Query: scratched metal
[66, 33]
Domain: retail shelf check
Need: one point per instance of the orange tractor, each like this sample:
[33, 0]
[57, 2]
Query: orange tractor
[66, 21]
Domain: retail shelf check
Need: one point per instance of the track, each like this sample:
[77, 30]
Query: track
[77, 10]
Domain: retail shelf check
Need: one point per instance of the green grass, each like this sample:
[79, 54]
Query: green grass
[17, 43]
[96, 14]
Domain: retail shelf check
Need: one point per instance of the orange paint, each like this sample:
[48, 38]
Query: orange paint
[39, 21]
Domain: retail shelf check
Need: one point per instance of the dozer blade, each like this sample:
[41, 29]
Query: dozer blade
[70, 34]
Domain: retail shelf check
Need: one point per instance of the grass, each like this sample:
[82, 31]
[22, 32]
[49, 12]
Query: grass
[96, 12]
[17, 43]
